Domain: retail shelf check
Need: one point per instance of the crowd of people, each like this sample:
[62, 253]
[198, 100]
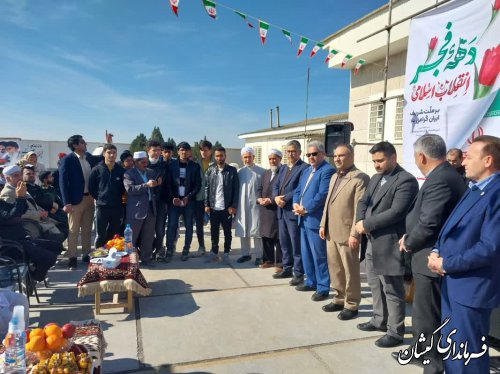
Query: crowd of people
[314, 221]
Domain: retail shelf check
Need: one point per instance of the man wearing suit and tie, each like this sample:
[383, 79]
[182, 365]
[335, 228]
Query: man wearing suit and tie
[381, 216]
[139, 183]
[338, 227]
[467, 256]
[288, 229]
[442, 189]
[308, 202]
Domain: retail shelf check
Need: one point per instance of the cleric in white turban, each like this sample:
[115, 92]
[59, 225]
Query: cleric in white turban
[276, 152]
[247, 149]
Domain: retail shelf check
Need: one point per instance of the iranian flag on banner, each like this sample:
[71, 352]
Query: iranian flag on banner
[210, 8]
[302, 45]
[344, 61]
[316, 48]
[287, 34]
[331, 54]
[360, 63]
[263, 28]
[244, 16]
[175, 6]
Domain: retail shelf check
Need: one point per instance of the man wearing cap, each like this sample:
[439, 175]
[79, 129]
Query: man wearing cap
[184, 183]
[268, 218]
[74, 173]
[248, 215]
[139, 183]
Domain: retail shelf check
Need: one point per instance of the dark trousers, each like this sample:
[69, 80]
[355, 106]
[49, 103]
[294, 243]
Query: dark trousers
[174, 213]
[145, 230]
[426, 317]
[218, 218]
[108, 221]
[268, 245]
[199, 216]
[161, 218]
[289, 236]
[43, 253]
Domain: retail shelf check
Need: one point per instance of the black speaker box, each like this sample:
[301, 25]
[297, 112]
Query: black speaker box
[337, 133]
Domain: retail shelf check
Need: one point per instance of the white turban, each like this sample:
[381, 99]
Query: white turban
[247, 150]
[276, 152]
[139, 155]
[12, 169]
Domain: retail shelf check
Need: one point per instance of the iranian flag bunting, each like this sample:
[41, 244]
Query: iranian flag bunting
[287, 34]
[263, 28]
[344, 61]
[175, 6]
[242, 15]
[316, 48]
[210, 8]
[360, 63]
[332, 53]
[302, 45]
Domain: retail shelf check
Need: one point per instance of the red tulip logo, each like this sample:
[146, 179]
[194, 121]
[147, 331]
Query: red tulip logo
[434, 41]
[488, 72]
[496, 6]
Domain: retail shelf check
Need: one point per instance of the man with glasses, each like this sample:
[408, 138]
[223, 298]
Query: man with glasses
[308, 202]
[288, 229]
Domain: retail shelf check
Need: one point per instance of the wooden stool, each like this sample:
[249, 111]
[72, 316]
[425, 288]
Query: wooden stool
[129, 305]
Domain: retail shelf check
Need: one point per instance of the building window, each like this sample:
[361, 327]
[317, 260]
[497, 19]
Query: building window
[376, 120]
[284, 160]
[398, 124]
[258, 155]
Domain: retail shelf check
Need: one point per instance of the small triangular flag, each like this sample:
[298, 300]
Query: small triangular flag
[263, 28]
[316, 48]
[360, 63]
[244, 16]
[175, 6]
[287, 34]
[210, 8]
[302, 45]
[331, 54]
[344, 61]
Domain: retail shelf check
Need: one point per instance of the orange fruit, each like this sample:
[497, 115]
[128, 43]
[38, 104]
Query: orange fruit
[36, 344]
[37, 332]
[53, 330]
[54, 342]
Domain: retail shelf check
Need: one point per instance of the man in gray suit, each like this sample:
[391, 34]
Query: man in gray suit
[381, 216]
[141, 208]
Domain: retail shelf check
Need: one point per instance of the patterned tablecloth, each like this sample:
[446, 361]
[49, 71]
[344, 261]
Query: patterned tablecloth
[125, 277]
[89, 334]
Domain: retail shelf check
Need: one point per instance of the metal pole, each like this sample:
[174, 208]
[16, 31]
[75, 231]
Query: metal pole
[278, 114]
[386, 70]
[307, 107]
[271, 116]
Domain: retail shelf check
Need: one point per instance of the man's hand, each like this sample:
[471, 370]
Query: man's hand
[265, 201]
[299, 210]
[322, 233]
[353, 242]
[152, 183]
[68, 208]
[360, 228]
[185, 201]
[207, 209]
[21, 189]
[402, 246]
[280, 201]
[231, 211]
[44, 214]
[177, 201]
[435, 263]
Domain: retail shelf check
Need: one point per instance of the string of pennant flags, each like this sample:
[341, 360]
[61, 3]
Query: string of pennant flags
[263, 26]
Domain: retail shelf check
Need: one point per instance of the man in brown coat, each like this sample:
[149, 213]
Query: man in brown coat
[338, 227]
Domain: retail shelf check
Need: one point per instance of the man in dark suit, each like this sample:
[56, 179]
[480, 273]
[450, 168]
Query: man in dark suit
[74, 173]
[308, 202]
[442, 189]
[288, 229]
[467, 255]
[381, 216]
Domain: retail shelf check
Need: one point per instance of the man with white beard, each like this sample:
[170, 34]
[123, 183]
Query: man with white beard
[268, 211]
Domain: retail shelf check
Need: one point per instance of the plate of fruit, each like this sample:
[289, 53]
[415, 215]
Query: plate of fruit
[118, 242]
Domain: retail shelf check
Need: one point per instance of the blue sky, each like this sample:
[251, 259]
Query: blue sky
[84, 66]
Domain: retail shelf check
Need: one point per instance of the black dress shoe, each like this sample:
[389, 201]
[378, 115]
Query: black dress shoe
[184, 256]
[347, 314]
[388, 341]
[332, 307]
[86, 258]
[168, 257]
[367, 326]
[243, 259]
[72, 263]
[304, 287]
[296, 281]
[317, 296]
[283, 274]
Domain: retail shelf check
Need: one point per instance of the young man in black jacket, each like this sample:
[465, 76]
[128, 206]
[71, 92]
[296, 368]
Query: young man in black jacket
[221, 200]
[106, 187]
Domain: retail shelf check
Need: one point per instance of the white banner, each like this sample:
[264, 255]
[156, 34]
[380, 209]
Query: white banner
[452, 67]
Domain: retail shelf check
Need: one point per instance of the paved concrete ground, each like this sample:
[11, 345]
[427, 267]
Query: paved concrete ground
[214, 318]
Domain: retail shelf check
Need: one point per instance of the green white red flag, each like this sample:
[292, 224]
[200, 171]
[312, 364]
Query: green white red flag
[344, 61]
[302, 45]
[331, 54]
[360, 63]
[210, 8]
[316, 48]
[244, 16]
[287, 34]
[175, 6]
[263, 28]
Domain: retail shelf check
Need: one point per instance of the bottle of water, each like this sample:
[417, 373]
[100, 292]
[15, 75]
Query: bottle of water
[129, 246]
[15, 351]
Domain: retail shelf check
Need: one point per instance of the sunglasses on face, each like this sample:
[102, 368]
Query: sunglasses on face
[312, 154]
